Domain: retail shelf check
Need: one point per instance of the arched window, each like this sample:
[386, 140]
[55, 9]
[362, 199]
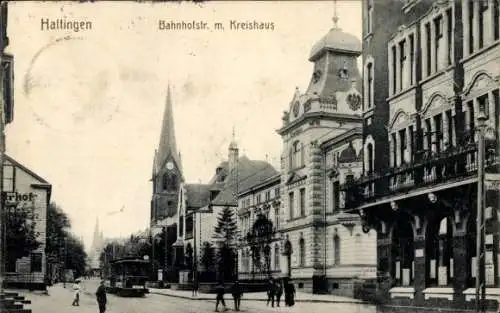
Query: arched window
[336, 250]
[369, 73]
[296, 154]
[165, 181]
[403, 252]
[369, 160]
[302, 252]
[276, 257]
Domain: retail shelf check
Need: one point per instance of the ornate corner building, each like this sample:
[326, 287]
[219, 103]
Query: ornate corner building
[324, 247]
[431, 68]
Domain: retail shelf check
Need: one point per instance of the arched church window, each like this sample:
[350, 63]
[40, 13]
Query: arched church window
[165, 181]
[403, 251]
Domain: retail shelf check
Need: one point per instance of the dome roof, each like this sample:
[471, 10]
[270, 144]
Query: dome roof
[348, 155]
[336, 40]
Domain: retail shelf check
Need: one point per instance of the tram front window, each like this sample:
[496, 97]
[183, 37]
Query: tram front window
[136, 270]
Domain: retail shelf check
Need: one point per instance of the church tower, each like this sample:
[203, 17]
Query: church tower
[96, 247]
[167, 169]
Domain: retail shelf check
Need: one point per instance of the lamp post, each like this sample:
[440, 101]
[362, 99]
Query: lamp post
[480, 222]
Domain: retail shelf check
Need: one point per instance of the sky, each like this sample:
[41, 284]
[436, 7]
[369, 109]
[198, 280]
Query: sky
[89, 104]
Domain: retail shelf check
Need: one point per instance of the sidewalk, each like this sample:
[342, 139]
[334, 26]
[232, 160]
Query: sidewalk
[257, 296]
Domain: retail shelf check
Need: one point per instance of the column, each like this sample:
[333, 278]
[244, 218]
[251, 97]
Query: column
[466, 26]
[446, 139]
[391, 151]
[444, 47]
[433, 47]
[419, 280]
[475, 25]
[453, 138]
[398, 68]
[491, 108]
[424, 55]
[391, 70]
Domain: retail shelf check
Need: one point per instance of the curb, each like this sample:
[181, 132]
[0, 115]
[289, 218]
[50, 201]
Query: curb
[262, 300]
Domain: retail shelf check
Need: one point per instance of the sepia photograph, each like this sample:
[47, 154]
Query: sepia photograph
[257, 156]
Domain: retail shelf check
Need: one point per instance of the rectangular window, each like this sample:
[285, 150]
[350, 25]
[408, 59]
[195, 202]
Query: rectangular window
[336, 195]
[496, 20]
[277, 218]
[412, 59]
[258, 198]
[290, 204]
[411, 144]
[268, 195]
[429, 48]
[394, 69]
[449, 34]
[302, 202]
[438, 46]
[277, 192]
[483, 10]
[484, 105]
[470, 106]
[471, 28]
[428, 134]
[402, 145]
[8, 178]
[36, 262]
[395, 148]
[438, 121]
[402, 65]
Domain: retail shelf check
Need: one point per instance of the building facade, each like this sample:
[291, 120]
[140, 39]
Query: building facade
[27, 192]
[323, 243]
[259, 247]
[431, 69]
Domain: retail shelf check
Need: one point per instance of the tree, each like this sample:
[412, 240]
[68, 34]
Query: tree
[226, 231]
[21, 236]
[75, 255]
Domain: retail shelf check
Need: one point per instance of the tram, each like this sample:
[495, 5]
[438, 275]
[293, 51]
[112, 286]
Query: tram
[127, 276]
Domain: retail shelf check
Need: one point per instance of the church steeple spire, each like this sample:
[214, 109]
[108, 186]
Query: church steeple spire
[167, 146]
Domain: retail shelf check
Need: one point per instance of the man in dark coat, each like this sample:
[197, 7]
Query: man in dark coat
[279, 292]
[270, 292]
[220, 296]
[101, 297]
[236, 291]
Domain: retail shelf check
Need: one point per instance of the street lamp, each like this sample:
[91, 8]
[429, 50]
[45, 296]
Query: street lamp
[482, 127]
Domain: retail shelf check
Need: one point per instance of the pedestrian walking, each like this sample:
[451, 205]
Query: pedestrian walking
[195, 288]
[237, 293]
[76, 292]
[220, 297]
[279, 291]
[101, 297]
[270, 292]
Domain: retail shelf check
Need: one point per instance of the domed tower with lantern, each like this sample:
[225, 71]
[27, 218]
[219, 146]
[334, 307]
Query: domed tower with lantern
[320, 123]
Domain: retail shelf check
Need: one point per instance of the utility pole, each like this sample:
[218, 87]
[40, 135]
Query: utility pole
[480, 223]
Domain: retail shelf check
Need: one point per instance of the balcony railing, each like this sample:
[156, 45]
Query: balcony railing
[431, 168]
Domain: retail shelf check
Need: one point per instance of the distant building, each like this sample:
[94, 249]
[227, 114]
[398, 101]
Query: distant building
[96, 248]
[324, 245]
[25, 190]
[430, 68]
